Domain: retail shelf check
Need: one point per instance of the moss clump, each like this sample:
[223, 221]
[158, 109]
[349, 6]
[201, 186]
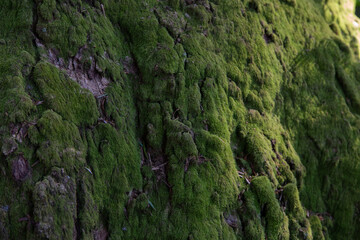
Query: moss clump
[46, 9]
[16, 104]
[294, 206]
[64, 95]
[59, 142]
[316, 228]
[269, 206]
[55, 206]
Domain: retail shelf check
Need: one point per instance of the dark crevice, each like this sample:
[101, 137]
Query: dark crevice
[342, 87]
[138, 79]
[357, 8]
[78, 210]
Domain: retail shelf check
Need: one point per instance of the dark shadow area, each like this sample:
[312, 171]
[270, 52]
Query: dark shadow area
[357, 8]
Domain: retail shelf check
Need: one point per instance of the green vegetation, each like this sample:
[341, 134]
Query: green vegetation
[234, 119]
[64, 95]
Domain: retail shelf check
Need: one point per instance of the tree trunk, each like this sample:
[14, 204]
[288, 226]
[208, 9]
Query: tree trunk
[179, 119]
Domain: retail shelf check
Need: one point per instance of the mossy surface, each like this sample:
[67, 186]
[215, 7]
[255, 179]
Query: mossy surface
[214, 119]
[64, 95]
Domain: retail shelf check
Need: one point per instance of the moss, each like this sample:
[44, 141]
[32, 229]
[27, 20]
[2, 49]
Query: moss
[205, 96]
[115, 162]
[181, 135]
[55, 206]
[59, 141]
[294, 206]
[89, 217]
[46, 9]
[316, 228]
[254, 102]
[59, 90]
[348, 87]
[254, 231]
[290, 2]
[155, 126]
[269, 205]
[16, 104]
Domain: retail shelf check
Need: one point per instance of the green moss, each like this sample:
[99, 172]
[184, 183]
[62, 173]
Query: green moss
[89, 217]
[16, 105]
[290, 2]
[255, 231]
[59, 142]
[115, 163]
[269, 205]
[199, 91]
[59, 91]
[155, 126]
[55, 206]
[46, 9]
[181, 135]
[316, 228]
[253, 101]
[349, 88]
[294, 206]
